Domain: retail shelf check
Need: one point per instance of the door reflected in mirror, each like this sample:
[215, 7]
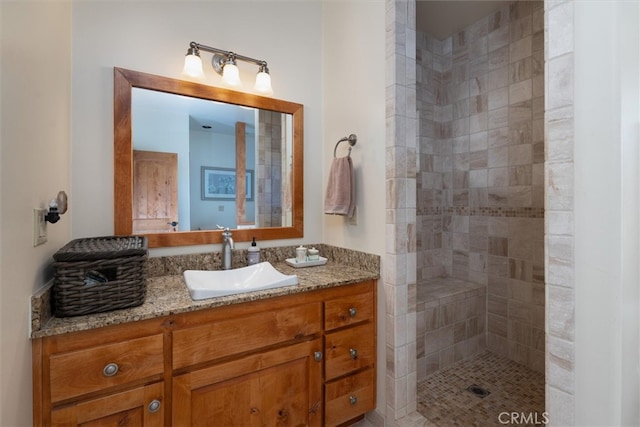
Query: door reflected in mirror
[197, 164]
[189, 157]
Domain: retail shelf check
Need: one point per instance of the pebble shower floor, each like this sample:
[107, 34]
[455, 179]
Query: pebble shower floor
[516, 394]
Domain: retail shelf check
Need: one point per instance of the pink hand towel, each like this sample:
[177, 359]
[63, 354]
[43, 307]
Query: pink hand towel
[340, 196]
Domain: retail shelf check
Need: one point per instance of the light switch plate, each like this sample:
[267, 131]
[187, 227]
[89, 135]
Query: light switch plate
[39, 227]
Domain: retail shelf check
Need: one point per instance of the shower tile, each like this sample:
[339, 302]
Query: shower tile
[521, 291]
[537, 42]
[498, 19]
[498, 118]
[521, 175]
[477, 262]
[478, 47]
[560, 78]
[498, 98]
[478, 141]
[497, 325]
[498, 77]
[478, 178]
[498, 137]
[478, 160]
[497, 304]
[499, 59]
[460, 127]
[498, 38]
[559, 32]
[520, 49]
[498, 196]
[521, 70]
[559, 186]
[498, 246]
[521, 154]
[519, 311]
[497, 344]
[498, 266]
[520, 9]
[520, 28]
[461, 109]
[520, 92]
[477, 242]
[460, 242]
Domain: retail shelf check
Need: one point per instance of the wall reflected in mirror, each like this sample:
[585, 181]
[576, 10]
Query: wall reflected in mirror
[199, 163]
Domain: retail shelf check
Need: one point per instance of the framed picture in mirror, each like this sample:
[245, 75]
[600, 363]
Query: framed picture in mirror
[220, 183]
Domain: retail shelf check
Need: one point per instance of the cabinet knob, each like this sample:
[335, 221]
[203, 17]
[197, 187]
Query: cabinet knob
[353, 353]
[317, 356]
[353, 400]
[154, 406]
[110, 369]
[353, 312]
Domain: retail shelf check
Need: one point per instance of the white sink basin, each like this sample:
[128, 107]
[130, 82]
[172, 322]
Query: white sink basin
[203, 284]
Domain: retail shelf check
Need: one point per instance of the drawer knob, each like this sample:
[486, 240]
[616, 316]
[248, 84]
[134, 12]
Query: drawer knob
[353, 312]
[353, 353]
[317, 356]
[154, 406]
[110, 370]
[353, 400]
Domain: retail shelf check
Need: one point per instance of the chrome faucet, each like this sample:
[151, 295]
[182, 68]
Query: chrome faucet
[227, 247]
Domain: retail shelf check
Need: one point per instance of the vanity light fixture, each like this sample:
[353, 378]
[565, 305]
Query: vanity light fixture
[224, 63]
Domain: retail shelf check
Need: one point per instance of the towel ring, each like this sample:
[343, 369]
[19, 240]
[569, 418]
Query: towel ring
[352, 141]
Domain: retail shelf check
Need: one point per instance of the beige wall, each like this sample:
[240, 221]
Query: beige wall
[36, 91]
[154, 39]
[354, 102]
[68, 120]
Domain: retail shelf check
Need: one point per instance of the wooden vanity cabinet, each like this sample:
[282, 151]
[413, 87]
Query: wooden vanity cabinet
[301, 359]
[350, 355]
[107, 376]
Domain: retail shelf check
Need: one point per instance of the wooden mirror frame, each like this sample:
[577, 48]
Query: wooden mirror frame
[123, 83]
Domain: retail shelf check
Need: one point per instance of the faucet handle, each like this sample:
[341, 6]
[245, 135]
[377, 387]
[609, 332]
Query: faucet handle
[222, 228]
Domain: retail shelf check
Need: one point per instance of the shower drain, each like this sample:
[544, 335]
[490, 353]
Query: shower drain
[478, 391]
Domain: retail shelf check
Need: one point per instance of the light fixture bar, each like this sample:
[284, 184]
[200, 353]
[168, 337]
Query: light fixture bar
[224, 63]
[226, 53]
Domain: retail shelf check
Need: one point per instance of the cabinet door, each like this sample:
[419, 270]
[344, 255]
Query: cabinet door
[142, 406]
[281, 387]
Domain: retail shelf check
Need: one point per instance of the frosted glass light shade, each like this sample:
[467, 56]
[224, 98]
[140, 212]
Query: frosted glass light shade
[263, 84]
[231, 75]
[193, 67]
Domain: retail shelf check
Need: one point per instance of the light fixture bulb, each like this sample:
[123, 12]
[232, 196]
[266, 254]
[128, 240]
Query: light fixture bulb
[193, 66]
[263, 83]
[231, 75]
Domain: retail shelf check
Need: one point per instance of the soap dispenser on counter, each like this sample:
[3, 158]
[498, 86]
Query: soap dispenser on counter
[253, 253]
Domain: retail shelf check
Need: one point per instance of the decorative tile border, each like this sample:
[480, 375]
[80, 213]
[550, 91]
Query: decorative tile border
[484, 211]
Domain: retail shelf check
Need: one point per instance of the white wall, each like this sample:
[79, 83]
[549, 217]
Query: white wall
[354, 102]
[153, 38]
[35, 137]
[607, 117]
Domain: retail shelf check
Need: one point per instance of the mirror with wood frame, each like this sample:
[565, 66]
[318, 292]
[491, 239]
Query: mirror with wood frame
[147, 198]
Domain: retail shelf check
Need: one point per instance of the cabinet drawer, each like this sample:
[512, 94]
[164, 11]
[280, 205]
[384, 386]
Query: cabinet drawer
[349, 349]
[349, 397]
[348, 310]
[140, 406]
[200, 344]
[79, 372]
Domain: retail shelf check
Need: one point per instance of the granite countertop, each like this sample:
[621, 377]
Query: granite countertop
[167, 294]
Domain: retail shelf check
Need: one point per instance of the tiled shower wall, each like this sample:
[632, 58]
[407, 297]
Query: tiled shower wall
[480, 198]
[269, 167]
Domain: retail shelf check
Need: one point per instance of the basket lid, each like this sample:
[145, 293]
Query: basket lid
[106, 247]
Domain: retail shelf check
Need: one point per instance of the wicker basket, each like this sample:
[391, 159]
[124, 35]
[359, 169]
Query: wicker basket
[99, 274]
